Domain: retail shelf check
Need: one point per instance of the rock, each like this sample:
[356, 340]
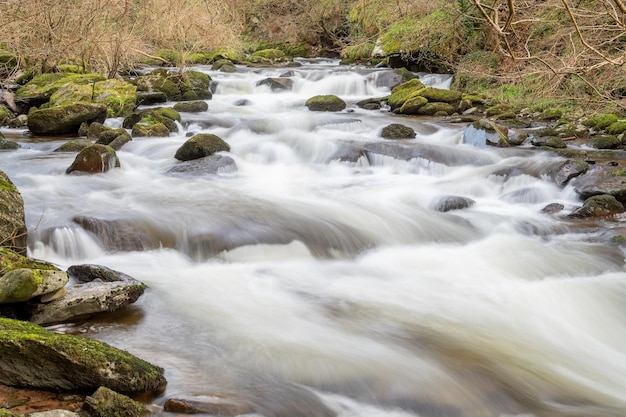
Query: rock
[120, 97]
[195, 85]
[269, 56]
[143, 129]
[191, 106]
[598, 206]
[70, 93]
[115, 138]
[208, 165]
[5, 115]
[123, 235]
[435, 109]
[94, 159]
[486, 132]
[397, 131]
[167, 116]
[100, 290]
[433, 94]
[550, 142]
[6, 145]
[325, 103]
[277, 84]
[447, 203]
[150, 97]
[159, 80]
[606, 142]
[394, 78]
[75, 145]
[39, 90]
[553, 208]
[219, 406]
[23, 284]
[412, 105]
[224, 65]
[602, 179]
[201, 145]
[568, 170]
[54, 413]
[95, 129]
[372, 103]
[19, 122]
[33, 357]
[107, 403]
[348, 153]
[64, 119]
[13, 233]
[400, 94]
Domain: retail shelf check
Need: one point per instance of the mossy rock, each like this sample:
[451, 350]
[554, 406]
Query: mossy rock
[120, 97]
[71, 93]
[95, 129]
[11, 260]
[75, 145]
[197, 80]
[268, 55]
[412, 105]
[224, 53]
[191, 106]
[59, 120]
[144, 129]
[94, 159]
[41, 87]
[325, 103]
[23, 284]
[7, 145]
[599, 206]
[551, 114]
[13, 233]
[616, 128]
[159, 80]
[431, 109]
[32, 357]
[166, 116]
[549, 142]
[606, 142]
[224, 65]
[440, 95]
[499, 109]
[5, 115]
[601, 121]
[115, 138]
[400, 94]
[201, 145]
[397, 131]
[108, 403]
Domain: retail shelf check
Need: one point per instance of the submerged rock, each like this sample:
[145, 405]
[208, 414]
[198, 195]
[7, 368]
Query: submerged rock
[224, 407]
[447, 203]
[208, 165]
[277, 84]
[32, 357]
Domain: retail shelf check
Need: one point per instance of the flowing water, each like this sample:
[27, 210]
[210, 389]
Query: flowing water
[317, 279]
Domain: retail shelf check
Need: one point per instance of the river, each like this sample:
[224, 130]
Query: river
[306, 285]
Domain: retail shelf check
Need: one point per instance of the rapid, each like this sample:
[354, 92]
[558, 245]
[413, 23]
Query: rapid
[313, 284]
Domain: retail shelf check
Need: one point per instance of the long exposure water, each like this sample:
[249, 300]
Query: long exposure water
[308, 283]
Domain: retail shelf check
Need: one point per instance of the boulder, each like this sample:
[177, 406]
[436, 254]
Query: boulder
[150, 97]
[120, 97]
[568, 170]
[435, 109]
[32, 357]
[95, 129]
[39, 90]
[159, 80]
[166, 116]
[606, 142]
[13, 233]
[372, 103]
[144, 129]
[23, 284]
[123, 235]
[195, 86]
[208, 165]
[7, 145]
[412, 105]
[94, 159]
[107, 403]
[325, 103]
[70, 93]
[447, 203]
[5, 115]
[201, 145]
[433, 94]
[599, 206]
[400, 94]
[115, 138]
[219, 406]
[100, 290]
[59, 120]
[268, 56]
[485, 132]
[75, 145]
[196, 106]
[602, 179]
[277, 84]
[224, 65]
[397, 131]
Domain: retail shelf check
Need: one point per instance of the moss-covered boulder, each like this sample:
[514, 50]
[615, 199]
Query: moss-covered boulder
[39, 90]
[400, 94]
[201, 145]
[617, 128]
[160, 80]
[6, 144]
[164, 115]
[120, 97]
[601, 121]
[440, 95]
[599, 206]
[397, 131]
[436, 109]
[115, 138]
[23, 284]
[70, 93]
[13, 233]
[195, 86]
[75, 145]
[65, 119]
[412, 105]
[325, 103]
[5, 115]
[196, 106]
[224, 65]
[32, 357]
[268, 56]
[606, 142]
[108, 403]
[150, 97]
[152, 129]
[94, 159]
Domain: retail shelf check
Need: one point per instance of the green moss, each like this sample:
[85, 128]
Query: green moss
[271, 55]
[618, 173]
[606, 142]
[7, 185]
[601, 121]
[10, 260]
[120, 97]
[617, 128]
[403, 92]
[43, 86]
[325, 103]
[439, 94]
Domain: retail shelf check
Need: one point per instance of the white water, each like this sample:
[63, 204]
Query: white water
[300, 274]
